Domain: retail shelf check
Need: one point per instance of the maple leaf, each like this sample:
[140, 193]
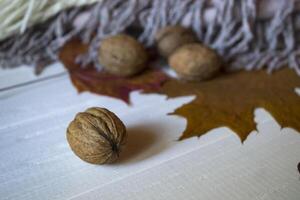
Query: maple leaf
[230, 100]
[100, 82]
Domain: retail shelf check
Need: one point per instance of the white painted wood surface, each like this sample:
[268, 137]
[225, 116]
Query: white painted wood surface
[37, 163]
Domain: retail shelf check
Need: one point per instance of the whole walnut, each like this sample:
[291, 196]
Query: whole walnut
[195, 62]
[122, 55]
[96, 135]
[169, 38]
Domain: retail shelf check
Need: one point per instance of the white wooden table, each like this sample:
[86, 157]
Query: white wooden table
[37, 163]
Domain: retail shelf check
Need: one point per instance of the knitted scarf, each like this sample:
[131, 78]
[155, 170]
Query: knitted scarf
[249, 34]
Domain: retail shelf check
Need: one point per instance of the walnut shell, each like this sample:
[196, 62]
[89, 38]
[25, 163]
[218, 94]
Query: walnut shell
[195, 62]
[96, 135]
[122, 55]
[170, 38]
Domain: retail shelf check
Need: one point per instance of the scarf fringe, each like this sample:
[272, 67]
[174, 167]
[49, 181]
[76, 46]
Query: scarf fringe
[246, 37]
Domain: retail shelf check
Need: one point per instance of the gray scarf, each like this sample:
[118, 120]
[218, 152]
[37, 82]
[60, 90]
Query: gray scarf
[249, 34]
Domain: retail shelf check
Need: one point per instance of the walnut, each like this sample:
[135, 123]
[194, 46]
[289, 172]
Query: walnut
[195, 62]
[169, 38]
[96, 135]
[122, 55]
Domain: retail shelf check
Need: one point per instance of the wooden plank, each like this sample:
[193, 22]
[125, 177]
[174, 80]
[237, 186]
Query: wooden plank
[24, 74]
[37, 163]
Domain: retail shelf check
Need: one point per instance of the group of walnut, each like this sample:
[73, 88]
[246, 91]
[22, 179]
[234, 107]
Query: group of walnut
[123, 55]
[97, 135]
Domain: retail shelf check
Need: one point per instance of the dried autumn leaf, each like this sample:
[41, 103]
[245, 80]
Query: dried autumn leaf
[100, 82]
[230, 101]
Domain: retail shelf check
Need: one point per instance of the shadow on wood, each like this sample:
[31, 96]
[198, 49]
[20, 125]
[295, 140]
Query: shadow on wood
[142, 142]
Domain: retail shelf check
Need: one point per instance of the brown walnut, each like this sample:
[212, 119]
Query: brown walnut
[122, 55]
[195, 62]
[170, 38]
[96, 135]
